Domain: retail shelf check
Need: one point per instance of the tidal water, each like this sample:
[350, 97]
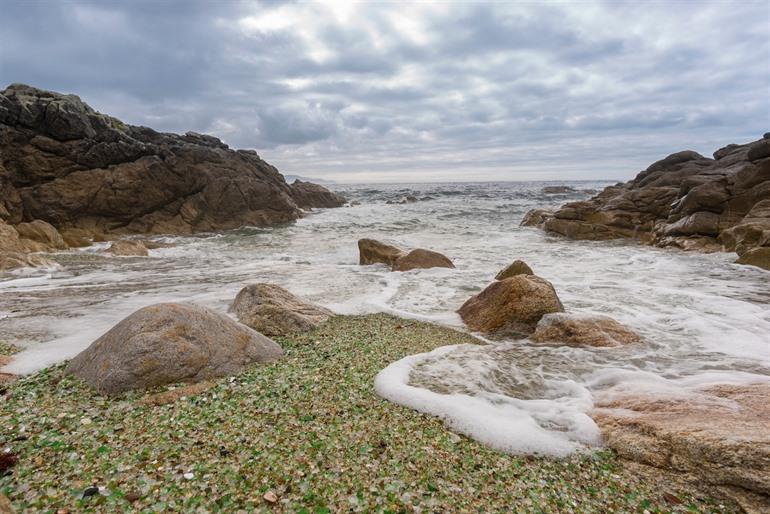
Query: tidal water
[704, 319]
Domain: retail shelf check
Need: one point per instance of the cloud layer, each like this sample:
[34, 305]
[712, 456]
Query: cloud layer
[413, 91]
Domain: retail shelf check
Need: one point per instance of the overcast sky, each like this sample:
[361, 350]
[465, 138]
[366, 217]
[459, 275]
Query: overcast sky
[413, 92]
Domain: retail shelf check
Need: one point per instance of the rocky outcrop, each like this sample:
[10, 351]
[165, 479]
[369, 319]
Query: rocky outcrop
[720, 434]
[41, 236]
[274, 311]
[309, 196]
[64, 163]
[168, 343]
[517, 267]
[511, 307]
[371, 251]
[128, 248]
[422, 259]
[685, 200]
[579, 330]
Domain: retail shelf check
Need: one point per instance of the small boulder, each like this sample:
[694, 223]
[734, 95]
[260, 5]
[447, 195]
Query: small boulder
[274, 311]
[577, 330]
[128, 248]
[517, 267]
[372, 251]
[43, 234]
[512, 306]
[308, 195]
[422, 259]
[759, 257]
[167, 343]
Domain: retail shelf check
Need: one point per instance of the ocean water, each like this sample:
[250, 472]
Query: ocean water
[704, 319]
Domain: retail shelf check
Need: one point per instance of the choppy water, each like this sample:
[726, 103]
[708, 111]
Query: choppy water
[704, 318]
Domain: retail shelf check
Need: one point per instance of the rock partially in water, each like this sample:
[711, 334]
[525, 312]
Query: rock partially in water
[66, 164]
[422, 259]
[759, 257]
[168, 343]
[721, 435]
[558, 190]
[309, 195]
[372, 251]
[274, 311]
[685, 197]
[580, 330]
[14, 252]
[517, 267]
[128, 248]
[44, 236]
[512, 306]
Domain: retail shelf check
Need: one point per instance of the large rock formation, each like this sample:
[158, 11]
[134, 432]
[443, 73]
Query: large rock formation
[684, 200]
[511, 307]
[721, 434]
[66, 164]
[274, 311]
[14, 250]
[167, 343]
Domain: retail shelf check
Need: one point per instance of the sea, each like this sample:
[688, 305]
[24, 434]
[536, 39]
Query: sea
[704, 319]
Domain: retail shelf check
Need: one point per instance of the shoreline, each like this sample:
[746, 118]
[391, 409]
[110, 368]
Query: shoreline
[309, 429]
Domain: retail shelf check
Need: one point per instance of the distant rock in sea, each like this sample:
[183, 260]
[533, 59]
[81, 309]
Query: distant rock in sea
[685, 200]
[66, 164]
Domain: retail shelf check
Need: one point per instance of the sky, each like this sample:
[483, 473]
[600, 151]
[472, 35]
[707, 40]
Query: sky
[412, 92]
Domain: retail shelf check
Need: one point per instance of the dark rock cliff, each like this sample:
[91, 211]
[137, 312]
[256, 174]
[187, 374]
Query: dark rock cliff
[63, 162]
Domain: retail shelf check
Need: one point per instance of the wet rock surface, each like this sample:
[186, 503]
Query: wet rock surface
[720, 435]
[511, 307]
[582, 330]
[420, 258]
[685, 200]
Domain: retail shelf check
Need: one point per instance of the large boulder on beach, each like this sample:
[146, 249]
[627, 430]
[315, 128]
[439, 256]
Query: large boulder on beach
[274, 311]
[422, 259]
[167, 343]
[517, 267]
[372, 251]
[512, 306]
[65, 163]
[582, 330]
[759, 257]
[719, 434]
[128, 248]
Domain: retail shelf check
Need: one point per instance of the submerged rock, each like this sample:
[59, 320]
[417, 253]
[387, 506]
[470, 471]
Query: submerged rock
[66, 164]
[167, 343]
[128, 248]
[579, 330]
[372, 251]
[558, 190]
[720, 434]
[512, 306]
[517, 267]
[274, 311]
[422, 259]
[685, 200]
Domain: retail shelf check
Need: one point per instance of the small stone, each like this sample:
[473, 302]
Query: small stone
[188, 476]
[270, 497]
[90, 491]
[85, 421]
[133, 496]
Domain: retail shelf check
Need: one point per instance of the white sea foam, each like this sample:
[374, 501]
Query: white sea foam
[703, 318]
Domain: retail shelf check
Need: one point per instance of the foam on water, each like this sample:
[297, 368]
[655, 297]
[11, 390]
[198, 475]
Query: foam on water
[703, 318]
